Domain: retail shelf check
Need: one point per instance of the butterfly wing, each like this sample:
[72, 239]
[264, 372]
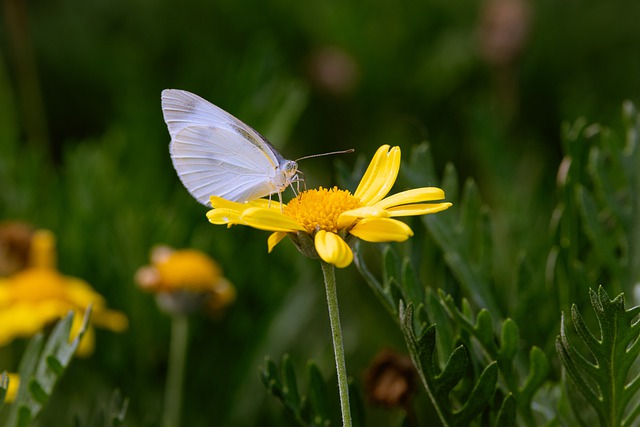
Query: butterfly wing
[214, 153]
[182, 109]
[217, 161]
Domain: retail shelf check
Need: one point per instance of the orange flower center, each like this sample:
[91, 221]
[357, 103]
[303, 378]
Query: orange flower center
[319, 209]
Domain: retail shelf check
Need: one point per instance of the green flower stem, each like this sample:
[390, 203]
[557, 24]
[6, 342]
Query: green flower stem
[338, 349]
[175, 374]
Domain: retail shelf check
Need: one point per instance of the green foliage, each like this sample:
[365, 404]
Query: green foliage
[42, 365]
[596, 223]
[593, 238]
[439, 385]
[477, 353]
[604, 375]
[309, 409]
[504, 351]
[111, 416]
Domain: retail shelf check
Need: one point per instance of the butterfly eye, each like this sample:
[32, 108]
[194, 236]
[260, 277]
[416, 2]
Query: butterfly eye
[290, 167]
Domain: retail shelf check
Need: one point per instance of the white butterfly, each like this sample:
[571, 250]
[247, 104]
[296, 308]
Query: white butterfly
[216, 154]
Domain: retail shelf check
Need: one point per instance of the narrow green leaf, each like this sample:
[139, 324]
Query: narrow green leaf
[317, 395]
[419, 169]
[480, 396]
[509, 340]
[24, 417]
[450, 183]
[310, 409]
[269, 374]
[378, 289]
[289, 382]
[484, 328]
[453, 372]
[538, 373]
[37, 392]
[357, 406]
[118, 408]
[507, 413]
[581, 328]
[54, 364]
[567, 354]
[415, 292]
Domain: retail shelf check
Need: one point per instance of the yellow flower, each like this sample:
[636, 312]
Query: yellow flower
[184, 279]
[39, 295]
[323, 222]
[14, 385]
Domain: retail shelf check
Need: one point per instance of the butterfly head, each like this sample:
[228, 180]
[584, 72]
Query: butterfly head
[286, 174]
[289, 169]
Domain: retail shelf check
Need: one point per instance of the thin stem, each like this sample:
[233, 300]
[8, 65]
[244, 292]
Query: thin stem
[175, 374]
[338, 349]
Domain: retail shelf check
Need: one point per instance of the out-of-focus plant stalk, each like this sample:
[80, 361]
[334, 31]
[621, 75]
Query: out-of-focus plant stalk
[23, 61]
[175, 374]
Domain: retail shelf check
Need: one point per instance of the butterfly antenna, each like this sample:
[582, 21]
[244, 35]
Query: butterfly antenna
[351, 150]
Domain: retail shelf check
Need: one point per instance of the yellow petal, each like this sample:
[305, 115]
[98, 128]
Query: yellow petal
[24, 319]
[418, 209]
[265, 204]
[274, 239]
[332, 249]
[380, 175]
[220, 216]
[14, 385]
[416, 195]
[110, 319]
[81, 294]
[381, 230]
[270, 220]
[349, 217]
[220, 203]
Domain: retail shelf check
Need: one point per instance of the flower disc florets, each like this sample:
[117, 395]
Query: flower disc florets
[319, 209]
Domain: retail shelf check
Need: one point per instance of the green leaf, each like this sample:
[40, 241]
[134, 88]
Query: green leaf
[41, 366]
[538, 373]
[310, 409]
[509, 340]
[289, 382]
[317, 395]
[376, 286]
[413, 289]
[480, 396]
[269, 376]
[507, 413]
[109, 414]
[603, 382]
[463, 234]
[440, 384]
[504, 351]
[357, 406]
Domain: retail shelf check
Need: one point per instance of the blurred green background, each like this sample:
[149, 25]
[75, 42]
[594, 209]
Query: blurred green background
[84, 152]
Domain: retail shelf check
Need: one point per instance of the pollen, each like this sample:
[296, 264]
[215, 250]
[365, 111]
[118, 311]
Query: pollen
[319, 209]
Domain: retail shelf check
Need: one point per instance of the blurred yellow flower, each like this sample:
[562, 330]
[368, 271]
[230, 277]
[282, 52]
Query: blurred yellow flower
[14, 385]
[40, 295]
[184, 279]
[324, 222]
